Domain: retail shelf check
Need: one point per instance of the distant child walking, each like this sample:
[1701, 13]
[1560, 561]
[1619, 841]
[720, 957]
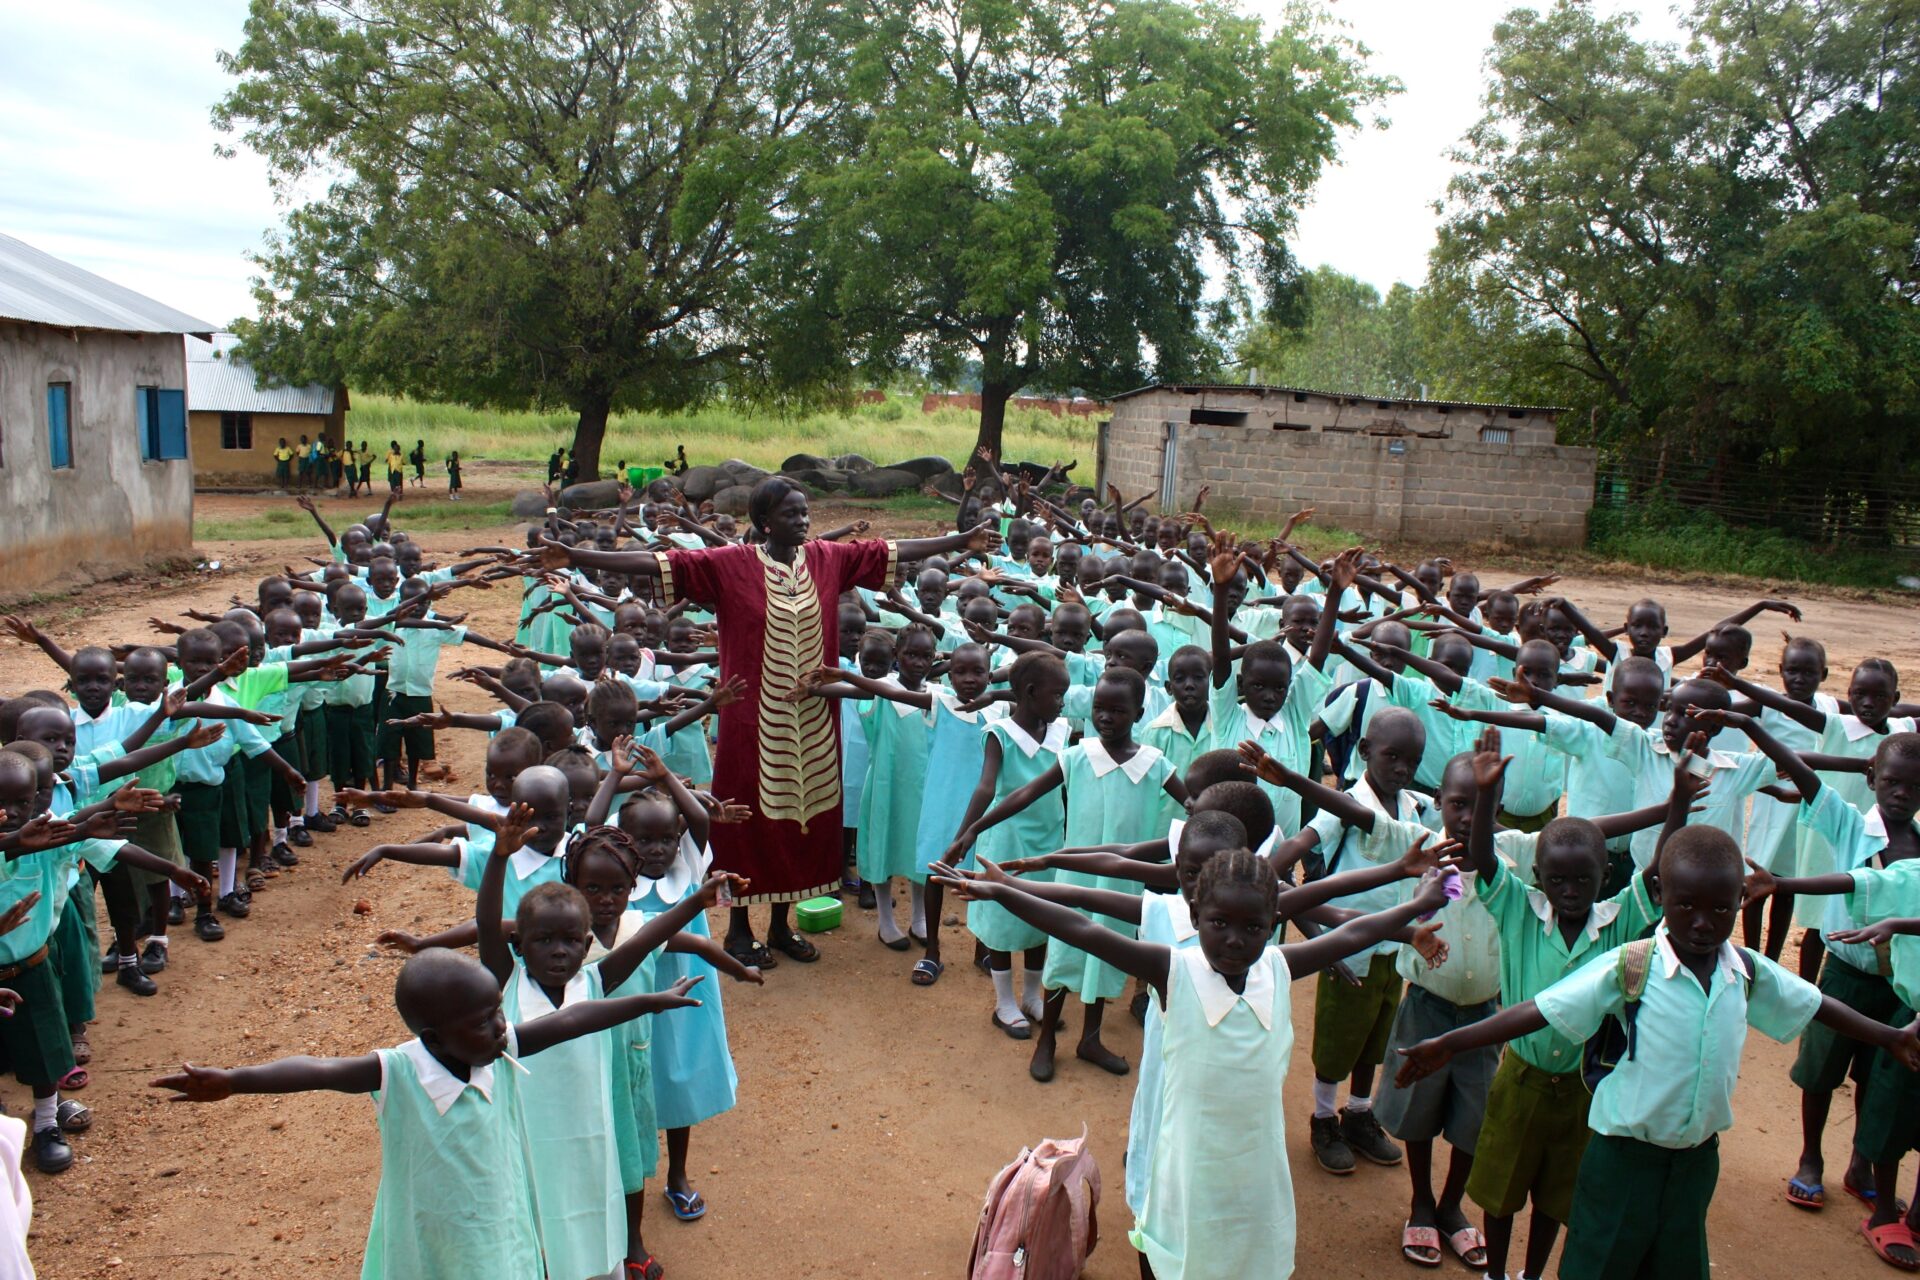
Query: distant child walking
[453, 476]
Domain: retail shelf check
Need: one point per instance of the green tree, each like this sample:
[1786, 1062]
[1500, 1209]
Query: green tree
[1039, 185]
[1348, 339]
[578, 203]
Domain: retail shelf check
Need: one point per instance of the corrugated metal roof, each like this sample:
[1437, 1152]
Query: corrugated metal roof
[219, 381]
[1334, 395]
[39, 288]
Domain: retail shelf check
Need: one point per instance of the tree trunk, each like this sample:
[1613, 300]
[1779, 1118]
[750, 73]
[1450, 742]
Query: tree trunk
[588, 435]
[993, 424]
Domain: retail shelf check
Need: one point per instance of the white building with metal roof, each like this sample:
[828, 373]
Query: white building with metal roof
[94, 469]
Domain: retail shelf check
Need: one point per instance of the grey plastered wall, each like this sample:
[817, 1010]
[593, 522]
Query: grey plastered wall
[110, 510]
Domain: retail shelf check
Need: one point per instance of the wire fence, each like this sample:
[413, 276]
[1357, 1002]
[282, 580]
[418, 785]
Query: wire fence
[1821, 506]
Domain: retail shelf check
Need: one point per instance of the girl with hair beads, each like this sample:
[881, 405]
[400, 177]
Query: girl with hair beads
[1018, 750]
[693, 1075]
[1117, 791]
[1219, 1197]
[567, 1103]
[955, 748]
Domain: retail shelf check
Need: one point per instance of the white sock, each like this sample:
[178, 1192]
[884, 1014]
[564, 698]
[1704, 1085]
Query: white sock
[296, 820]
[1033, 997]
[889, 927]
[1003, 1002]
[1357, 1103]
[313, 799]
[228, 857]
[158, 940]
[175, 891]
[280, 835]
[1325, 1095]
[918, 894]
[45, 1113]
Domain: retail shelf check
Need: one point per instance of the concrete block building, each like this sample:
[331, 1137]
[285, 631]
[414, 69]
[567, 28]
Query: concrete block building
[236, 424]
[94, 467]
[1425, 470]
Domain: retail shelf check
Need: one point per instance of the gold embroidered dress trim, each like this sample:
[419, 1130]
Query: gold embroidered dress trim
[799, 753]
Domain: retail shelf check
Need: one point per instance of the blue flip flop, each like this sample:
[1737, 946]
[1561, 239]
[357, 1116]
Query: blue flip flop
[687, 1205]
[1806, 1195]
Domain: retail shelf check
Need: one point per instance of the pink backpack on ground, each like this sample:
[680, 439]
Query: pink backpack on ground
[1038, 1222]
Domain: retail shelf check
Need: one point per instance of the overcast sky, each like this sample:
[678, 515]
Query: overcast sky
[108, 157]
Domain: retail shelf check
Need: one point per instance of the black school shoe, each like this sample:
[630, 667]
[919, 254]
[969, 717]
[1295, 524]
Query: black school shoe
[154, 958]
[321, 822]
[51, 1154]
[1363, 1133]
[207, 927]
[109, 961]
[134, 980]
[283, 854]
[1329, 1147]
[236, 906]
[299, 836]
[176, 911]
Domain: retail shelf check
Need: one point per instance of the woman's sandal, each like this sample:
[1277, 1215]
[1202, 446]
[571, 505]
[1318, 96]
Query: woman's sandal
[1806, 1195]
[688, 1206]
[73, 1116]
[1467, 1242]
[927, 972]
[648, 1270]
[256, 878]
[1421, 1245]
[1886, 1238]
[795, 947]
[754, 956]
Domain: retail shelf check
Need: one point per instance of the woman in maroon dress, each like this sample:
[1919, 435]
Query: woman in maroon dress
[776, 603]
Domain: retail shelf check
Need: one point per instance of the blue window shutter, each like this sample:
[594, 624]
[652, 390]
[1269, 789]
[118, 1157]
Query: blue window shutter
[59, 428]
[173, 423]
[142, 405]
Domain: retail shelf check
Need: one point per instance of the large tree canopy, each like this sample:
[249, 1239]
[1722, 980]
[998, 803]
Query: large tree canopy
[578, 203]
[1043, 185]
[1716, 250]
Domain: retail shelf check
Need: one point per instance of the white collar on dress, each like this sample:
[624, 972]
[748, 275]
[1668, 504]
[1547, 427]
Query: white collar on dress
[1135, 768]
[1217, 998]
[442, 1087]
[1171, 718]
[1602, 915]
[1180, 917]
[1407, 810]
[1055, 740]
[578, 988]
[1855, 728]
[526, 861]
[686, 870]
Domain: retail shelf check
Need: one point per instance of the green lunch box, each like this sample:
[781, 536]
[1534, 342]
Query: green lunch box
[817, 915]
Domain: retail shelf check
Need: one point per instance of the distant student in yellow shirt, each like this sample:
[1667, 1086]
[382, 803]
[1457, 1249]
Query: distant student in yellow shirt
[396, 466]
[283, 464]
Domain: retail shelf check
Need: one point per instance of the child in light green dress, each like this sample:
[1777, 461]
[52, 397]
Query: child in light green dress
[1219, 1198]
[1018, 750]
[456, 1196]
[1117, 792]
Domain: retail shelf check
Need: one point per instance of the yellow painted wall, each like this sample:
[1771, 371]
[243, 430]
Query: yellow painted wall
[211, 463]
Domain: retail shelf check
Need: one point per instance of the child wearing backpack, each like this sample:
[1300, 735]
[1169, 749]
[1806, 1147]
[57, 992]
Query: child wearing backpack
[1687, 997]
[1219, 1201]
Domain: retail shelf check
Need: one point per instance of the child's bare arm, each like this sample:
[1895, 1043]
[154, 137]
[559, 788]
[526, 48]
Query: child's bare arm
[1688, 648]
[418, 855]
[1013, 804]
[301, 1074]
[21, 629]
[1144, 960]
[1339, 803]
[1335, 945]
[618, 965]
[589, 1016]
[488, 906]
[1429, 1056]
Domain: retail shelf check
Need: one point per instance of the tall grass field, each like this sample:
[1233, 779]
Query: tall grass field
[887, 432]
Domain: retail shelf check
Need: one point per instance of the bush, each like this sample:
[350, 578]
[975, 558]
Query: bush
[1661, 533]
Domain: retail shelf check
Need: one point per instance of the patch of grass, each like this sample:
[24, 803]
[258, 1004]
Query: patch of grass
[291, 522]
[1663, 534]
[887, 432]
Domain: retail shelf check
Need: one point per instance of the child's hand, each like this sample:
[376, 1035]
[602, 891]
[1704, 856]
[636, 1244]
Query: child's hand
[734, 690]
[960, 886]
[435, 720]
[1489, 766]
[1027, 866]
[1343, 972]
[710, 890]
[1421, 1061]
[1447, 709]
[234, 663]
[9, 1000]
[1255, 757]
[204, 735]
[516, 828]
[1782, 606]
[675, 996]
[983, 537]
[1424, 857]
[295, 780]
[44, 832]
[398, 940]
[361, 865]
[1906, 1046]
[166, 628]
[1760, 883]
[134, 798]
[252, 715]
[1518, 690]
[17, 914]
[647, 763]
[1432, 893]
[197, 1084]
[1428, 943]
[194, 884]
[19, 628]
[1722, 717]
[105, 825]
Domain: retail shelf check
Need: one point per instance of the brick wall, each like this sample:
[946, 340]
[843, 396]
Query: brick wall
[1438, 491]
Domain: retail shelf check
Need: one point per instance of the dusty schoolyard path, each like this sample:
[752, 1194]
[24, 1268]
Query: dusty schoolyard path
[872, 1112]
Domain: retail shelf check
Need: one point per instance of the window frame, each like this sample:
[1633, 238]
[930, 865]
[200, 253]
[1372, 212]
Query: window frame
[65, 428]
[232, 423]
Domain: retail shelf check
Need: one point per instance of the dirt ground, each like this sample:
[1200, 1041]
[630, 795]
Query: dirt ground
[872, 1113]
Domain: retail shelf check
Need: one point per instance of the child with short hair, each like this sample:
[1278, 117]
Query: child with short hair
[1688, 996]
